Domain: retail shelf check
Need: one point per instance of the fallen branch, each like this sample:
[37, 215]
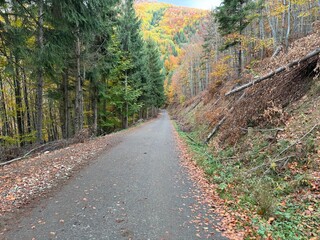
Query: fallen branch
[299, 140]
[23, 157]
[46, 147]
[194, 141]
[216, 128]
[273, 73]
[268, 163]
[263, 130]
[195, 105]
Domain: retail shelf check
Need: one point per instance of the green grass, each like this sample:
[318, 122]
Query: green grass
[262, 191]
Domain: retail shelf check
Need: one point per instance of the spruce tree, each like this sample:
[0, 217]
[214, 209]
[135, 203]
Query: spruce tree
[133, 44]
[233, 17]
[156, 76]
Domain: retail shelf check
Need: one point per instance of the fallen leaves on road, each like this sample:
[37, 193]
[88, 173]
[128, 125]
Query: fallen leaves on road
[25, 180]
[226, 220]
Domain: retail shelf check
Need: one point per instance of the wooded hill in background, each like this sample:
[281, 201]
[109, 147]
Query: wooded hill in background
[64, 69]
[175, 29]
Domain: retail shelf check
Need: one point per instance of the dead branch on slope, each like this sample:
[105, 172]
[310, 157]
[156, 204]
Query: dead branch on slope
[217, 127]
[273, 73]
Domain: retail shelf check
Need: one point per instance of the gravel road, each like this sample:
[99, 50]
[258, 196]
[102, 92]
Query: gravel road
[136, 190]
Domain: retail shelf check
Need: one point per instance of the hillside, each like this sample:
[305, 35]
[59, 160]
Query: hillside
[172, 27]
[263, 151]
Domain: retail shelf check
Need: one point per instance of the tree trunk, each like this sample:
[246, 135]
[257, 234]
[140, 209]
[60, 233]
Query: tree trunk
[191, 79]
[126, 117]
[239, 70]
[19, 105]
[273, 25]
[95, 112]
[64, 106]
[283, 21]
[39, 108]
[289, 27]
[3, 111]
[26, 102]
[78, 125]
[262, 34]
[207, 74]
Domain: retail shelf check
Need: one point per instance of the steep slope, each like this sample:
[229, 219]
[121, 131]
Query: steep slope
[263, 151]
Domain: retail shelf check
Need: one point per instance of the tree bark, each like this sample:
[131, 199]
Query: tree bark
[26, 102]
[3, 111]
[64, 106]
[95, 116]
[79, 97]
[39, 101]
[239, 60]
[19, 105]
[289, 27]
[126, 117]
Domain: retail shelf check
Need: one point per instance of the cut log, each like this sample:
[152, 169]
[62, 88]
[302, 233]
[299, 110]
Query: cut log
[273, 73]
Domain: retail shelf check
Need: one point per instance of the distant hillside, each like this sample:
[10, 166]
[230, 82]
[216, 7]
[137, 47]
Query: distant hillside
[170, 26]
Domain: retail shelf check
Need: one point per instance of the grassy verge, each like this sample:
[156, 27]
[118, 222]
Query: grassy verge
[271, 182]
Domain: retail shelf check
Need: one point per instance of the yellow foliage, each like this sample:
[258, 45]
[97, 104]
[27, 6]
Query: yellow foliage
[31, 41]
[221, 69]
[2, 19]
[17, 23]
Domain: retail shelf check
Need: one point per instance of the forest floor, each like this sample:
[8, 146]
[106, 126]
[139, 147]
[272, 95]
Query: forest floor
[136, 188]
[26, 181]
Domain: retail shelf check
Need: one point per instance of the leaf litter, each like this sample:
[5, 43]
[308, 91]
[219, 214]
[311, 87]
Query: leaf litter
[23, 181]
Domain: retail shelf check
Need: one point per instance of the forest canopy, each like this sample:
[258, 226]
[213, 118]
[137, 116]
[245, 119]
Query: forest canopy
[64, 69]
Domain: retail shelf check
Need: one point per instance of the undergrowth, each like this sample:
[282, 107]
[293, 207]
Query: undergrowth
[269, 181]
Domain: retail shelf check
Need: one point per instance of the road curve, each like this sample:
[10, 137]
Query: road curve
[136, 190]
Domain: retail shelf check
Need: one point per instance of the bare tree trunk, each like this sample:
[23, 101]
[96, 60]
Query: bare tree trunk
[283, 21]
[273, 25]
[289, 26]
[39, 101]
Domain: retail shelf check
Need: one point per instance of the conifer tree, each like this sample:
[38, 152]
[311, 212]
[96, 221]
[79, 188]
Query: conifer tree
[155, 91]
[132, 43]
[233, 18]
